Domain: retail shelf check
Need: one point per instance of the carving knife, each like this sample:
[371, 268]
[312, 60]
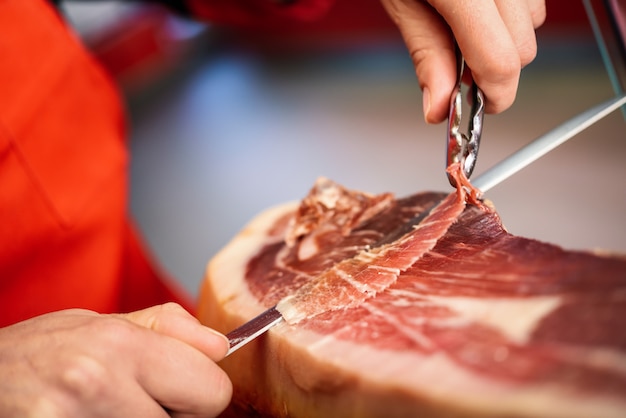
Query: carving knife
[490, 178]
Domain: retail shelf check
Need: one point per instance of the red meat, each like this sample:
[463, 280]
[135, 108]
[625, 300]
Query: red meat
[452, 317]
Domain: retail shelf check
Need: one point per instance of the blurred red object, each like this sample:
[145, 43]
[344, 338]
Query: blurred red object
[363, 23]
[147, 43]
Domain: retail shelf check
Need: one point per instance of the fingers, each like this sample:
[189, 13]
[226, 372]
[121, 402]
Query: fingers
[80, 363]
[488, 45]
[538, 12]
[172, 320]
[182, 379]
[518, 22]
[176, 371]
[496, 38]
[176, 362]
[430, 45]
[91, 389]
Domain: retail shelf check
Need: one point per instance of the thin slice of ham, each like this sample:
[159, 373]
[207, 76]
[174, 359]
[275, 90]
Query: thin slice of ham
[481, 323]
[353, 280]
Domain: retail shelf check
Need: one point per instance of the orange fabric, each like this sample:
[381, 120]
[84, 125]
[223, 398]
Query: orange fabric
[65, 237]
[64, 233]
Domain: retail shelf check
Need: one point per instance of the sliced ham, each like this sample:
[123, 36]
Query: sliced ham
[451, 317]
[350, 282]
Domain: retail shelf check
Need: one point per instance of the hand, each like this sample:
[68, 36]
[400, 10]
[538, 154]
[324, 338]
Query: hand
[496, 38]
[77, 363]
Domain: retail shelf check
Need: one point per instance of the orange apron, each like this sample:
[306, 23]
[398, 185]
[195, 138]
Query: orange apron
[65, 237]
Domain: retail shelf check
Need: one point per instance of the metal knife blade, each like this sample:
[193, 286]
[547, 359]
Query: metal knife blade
[242, 335]
[490, 178]
[546, 143]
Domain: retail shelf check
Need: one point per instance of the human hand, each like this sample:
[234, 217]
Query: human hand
[496, 38]
[78, 363]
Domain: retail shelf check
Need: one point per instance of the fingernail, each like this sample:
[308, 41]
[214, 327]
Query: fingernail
[216, 333]
[426, 102]
[222, 337]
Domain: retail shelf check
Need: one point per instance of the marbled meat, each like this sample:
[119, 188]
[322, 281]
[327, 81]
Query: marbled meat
[451, 317]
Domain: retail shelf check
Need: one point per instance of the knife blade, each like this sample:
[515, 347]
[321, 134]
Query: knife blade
[495, 175]
[242, 335]
[546, 143]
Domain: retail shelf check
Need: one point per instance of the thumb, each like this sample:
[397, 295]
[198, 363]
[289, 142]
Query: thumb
[172, 320]
[429, 41]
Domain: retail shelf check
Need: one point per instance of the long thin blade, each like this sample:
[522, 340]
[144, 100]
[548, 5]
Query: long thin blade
[545, 143]
[239, 337]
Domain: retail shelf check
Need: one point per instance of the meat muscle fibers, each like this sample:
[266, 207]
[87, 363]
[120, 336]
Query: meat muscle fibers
[452, 316]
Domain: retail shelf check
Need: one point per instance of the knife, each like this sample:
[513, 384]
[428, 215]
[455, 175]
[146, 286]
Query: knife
[546, 143]
[490, 178]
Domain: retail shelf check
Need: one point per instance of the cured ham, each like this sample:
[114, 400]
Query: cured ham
[355, 279]
[450, 316]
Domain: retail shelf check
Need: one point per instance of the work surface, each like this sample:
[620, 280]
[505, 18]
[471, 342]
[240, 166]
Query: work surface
[242, 132]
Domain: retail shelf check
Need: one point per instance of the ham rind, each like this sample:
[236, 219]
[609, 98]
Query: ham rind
[482, 324]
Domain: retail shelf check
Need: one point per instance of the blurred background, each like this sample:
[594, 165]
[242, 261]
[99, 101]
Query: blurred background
[226, 122]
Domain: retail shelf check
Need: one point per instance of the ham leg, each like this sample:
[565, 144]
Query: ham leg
[480, 324]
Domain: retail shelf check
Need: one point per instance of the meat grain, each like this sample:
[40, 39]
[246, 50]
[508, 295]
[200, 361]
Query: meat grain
[452, 317]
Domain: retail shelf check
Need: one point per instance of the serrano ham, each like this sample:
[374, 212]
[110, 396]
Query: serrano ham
[451, 316]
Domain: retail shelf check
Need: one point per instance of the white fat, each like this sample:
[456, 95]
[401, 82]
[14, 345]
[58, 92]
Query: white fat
[227, 269]
[515, 318]
[439, 378]
[291, 314]
[329, 196]
[308, 248]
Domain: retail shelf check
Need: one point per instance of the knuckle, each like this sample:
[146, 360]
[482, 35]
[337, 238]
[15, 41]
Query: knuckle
[503, 69]
[47, 406]
[172, 307]
[162, 315]
[418, 56]
[115, 333]
[527, 51]
[500, 86]
[85, 378]
[498, 77]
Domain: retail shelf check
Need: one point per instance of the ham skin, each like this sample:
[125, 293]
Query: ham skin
[476, 323]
